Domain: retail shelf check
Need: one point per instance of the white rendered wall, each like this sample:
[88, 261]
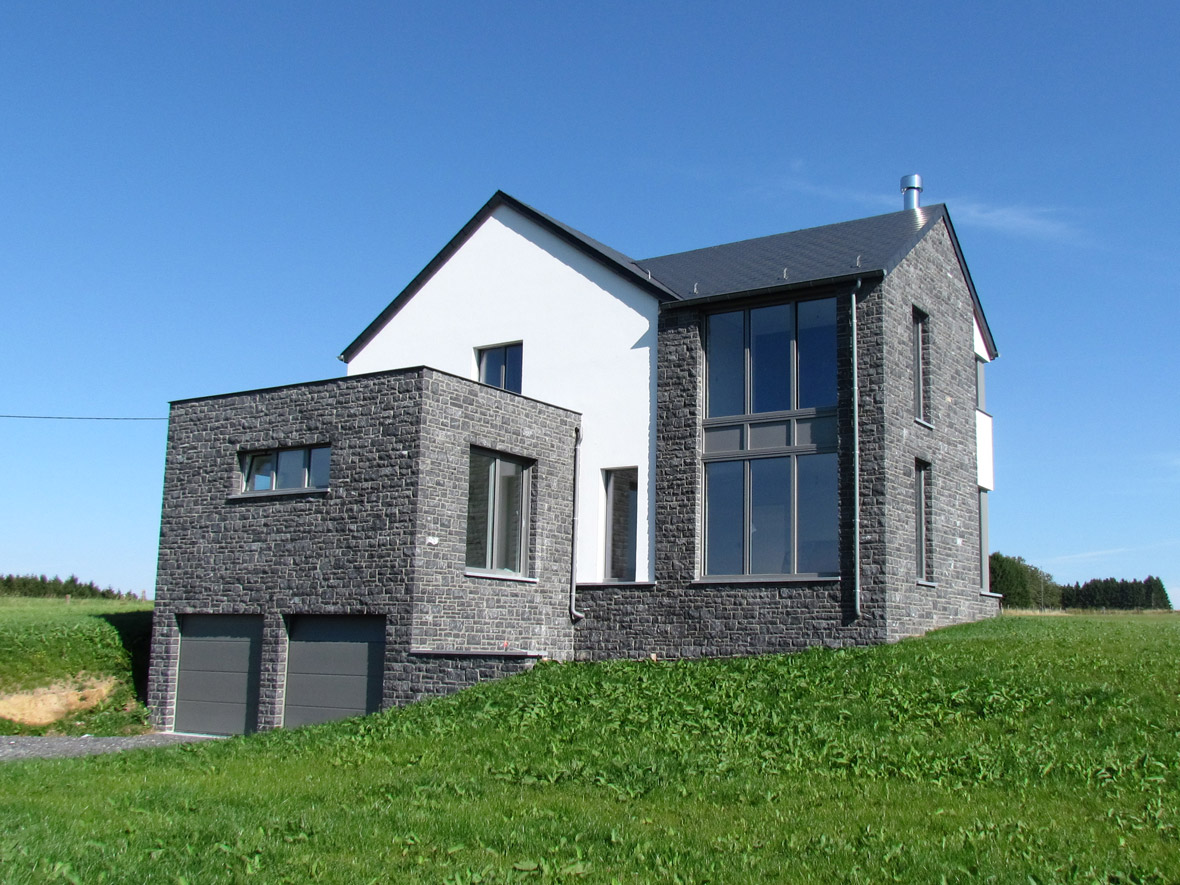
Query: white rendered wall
[589, 344]
[983, 451]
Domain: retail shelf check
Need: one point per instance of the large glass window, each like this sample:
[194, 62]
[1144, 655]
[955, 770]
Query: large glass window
[497, 508]
[770, 441]
[283, 469]
[501, 366]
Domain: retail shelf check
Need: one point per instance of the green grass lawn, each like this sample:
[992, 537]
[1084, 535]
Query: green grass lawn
[48, 641]
[1016, 750]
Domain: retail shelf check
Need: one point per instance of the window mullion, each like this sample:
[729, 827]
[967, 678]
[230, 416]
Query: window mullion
[493, 530]
[747, 516]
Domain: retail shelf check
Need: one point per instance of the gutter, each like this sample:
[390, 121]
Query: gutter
[855, 459]
[575, 615]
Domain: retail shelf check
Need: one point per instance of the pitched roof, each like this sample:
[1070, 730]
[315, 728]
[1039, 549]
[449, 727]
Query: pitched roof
[601, 253]
[848, 249]
[829, 254]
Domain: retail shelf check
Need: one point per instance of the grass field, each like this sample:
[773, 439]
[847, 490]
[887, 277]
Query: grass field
[52, 643]
[1016, 750]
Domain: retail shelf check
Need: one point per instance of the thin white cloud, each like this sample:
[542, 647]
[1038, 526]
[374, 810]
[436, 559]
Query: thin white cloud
[1086, 555]
[1017, 220]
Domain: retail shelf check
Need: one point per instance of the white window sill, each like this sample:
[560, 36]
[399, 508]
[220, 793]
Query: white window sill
[924, 423]
[764, 579]
[498, 576]
[926, 583]
[991, 595]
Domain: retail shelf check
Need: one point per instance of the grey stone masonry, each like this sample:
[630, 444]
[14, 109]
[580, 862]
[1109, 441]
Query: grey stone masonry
[683, 615]
[387, 537]
[930, 280]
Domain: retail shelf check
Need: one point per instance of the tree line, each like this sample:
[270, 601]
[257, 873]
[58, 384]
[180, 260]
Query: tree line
[1023, 585]
[41, 586]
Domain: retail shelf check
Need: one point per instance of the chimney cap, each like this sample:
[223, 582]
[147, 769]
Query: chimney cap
[911, 187]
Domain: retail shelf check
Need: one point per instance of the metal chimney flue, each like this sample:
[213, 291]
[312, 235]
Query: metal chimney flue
[911, 188]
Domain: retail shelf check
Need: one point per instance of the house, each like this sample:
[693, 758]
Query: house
[543, 448]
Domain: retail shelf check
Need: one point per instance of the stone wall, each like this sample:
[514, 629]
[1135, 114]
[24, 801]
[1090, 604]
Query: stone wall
[386, 538]
[930, 279]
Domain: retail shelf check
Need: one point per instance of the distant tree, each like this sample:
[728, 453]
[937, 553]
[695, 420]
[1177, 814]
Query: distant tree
[1023, 585]
[41, 586]
[1119, 594]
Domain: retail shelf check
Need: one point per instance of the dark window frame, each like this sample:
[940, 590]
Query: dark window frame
[491, 548]
[622, 528]
[501, 365]
[920, 364]
[250, 464]
[815, 425]
[923, 521]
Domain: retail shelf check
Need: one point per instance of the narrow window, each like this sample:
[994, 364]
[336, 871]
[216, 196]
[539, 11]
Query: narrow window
[622, 510]
[923, 537]
[500, 366]
[286, 469]
[497, 504]
[921, 365]
[985, 578]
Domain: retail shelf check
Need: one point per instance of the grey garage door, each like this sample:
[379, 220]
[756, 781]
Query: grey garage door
[334, 667]
[217, 682]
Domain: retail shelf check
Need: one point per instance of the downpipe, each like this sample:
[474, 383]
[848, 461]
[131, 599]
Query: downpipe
[575, 615]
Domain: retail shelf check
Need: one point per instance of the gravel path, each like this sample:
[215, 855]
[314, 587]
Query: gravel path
[54, 747]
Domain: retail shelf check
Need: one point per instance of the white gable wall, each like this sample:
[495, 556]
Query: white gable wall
[589, 344]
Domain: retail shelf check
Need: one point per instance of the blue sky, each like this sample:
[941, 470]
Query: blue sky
[201, 198]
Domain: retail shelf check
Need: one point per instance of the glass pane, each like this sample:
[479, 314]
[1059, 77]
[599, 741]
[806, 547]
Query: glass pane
[318, 467]
[290, 473]
[770, 357]
[727, 364]
[623, 490]
[819, 547]
[512, 367]
[479, 502]
[260, 473]
[723, 439]
[491, 366]
[724, 520]
[815, 432]
[508, 510]
[770, 516]
[817, 353]
[770, 436]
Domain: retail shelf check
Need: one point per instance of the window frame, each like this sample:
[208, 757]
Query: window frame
[510, 370]
[920, 364]
[629, 524]
[923, 522]
[247, 460]
[494, 531]
[786, 423]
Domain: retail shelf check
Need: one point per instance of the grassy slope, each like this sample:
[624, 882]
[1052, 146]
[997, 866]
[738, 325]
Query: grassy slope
[1018, 750]
[44, 641]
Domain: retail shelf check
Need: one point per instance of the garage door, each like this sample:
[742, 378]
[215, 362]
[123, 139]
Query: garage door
[334, 667]
[217, 683]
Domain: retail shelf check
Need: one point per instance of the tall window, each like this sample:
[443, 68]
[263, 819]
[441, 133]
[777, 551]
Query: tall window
[282, 469]
[921, 361]
[501, 366]
[770, 441]
[497, 513]
[622, 510]
[923, 522]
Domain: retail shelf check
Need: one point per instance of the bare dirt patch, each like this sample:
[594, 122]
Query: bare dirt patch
[44, 706]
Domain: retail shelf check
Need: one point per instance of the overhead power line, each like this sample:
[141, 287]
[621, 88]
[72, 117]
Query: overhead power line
[78, 418]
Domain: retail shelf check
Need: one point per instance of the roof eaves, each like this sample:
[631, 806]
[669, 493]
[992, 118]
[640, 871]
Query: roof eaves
[822, 282]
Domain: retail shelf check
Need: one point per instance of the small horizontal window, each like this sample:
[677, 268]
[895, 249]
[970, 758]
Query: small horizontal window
[283, 469]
